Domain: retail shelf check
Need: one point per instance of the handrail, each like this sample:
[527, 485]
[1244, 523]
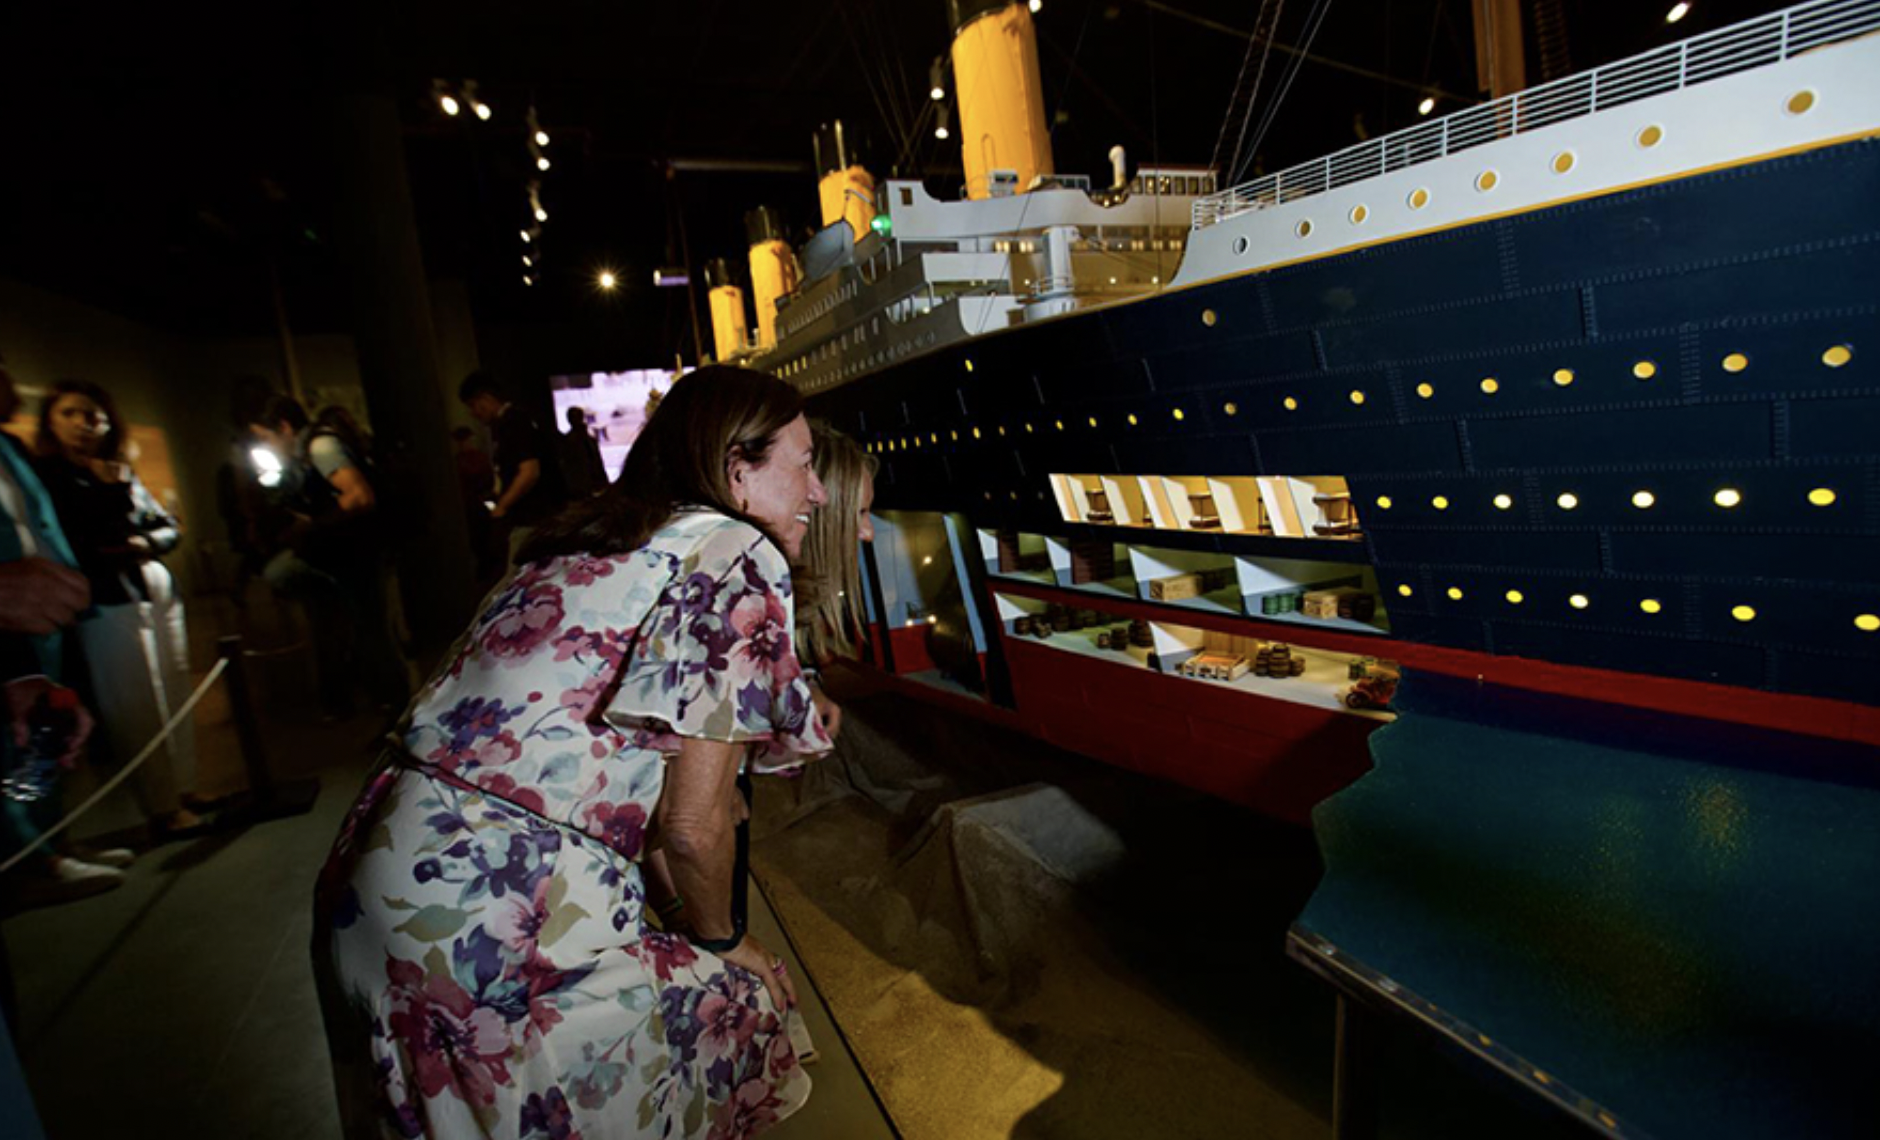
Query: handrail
[1754, 43]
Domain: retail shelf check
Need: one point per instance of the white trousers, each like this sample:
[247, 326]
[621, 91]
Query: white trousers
[139, 660]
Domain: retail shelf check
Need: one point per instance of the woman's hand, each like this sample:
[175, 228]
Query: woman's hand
[828, 710]
[751, 955]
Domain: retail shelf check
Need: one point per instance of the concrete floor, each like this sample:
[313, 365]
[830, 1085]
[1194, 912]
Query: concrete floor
[183, 1003]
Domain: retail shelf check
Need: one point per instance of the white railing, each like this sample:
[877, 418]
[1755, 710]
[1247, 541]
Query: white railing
[1726, 51]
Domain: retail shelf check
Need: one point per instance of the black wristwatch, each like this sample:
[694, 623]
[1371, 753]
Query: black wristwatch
[720, 945]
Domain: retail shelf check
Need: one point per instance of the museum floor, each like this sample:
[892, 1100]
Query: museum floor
[1014, 941]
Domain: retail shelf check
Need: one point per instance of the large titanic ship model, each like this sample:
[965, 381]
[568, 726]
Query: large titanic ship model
[1589, 369]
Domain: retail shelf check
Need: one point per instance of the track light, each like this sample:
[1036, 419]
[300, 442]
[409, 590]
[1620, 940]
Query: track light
[940, 124]
[483, 111]
[527, 236]
[1036, 4]
[541, 138]
[449, 104]
[541, 215]
[1428, 105]
[527, 280]
[542, 163]
[936, 81]
[1678, 12]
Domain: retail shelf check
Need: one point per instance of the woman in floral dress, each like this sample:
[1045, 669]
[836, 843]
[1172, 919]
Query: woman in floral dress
[483, 940]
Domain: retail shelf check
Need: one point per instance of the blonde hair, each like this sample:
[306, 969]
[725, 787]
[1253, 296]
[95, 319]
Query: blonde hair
[829, 612]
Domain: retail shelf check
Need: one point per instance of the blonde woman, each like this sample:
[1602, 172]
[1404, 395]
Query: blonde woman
[830, 614]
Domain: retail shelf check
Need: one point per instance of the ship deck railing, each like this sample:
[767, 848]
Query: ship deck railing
[1754, 43]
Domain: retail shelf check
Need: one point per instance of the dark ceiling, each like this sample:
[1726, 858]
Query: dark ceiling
[164, 164]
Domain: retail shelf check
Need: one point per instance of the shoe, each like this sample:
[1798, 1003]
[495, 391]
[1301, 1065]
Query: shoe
[179, 824]
[60, 879]
[115, 857]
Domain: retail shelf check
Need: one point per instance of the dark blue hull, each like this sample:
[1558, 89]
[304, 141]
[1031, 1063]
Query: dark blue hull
[1678, 340]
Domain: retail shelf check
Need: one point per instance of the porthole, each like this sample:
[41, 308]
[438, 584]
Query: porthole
[1821, 497]
[1579, 601]
[1743, 613]
[1486, 181]
[969, 366]
[1727, 497]
[1132, 419]
[1867, 623]
[1291, 404]
[1425, 391]
[1207, 315]
[1515, 597]
[934, 437]
[1650, 605]
[1231, 408]
[1240, 246]
[955, 434]
[1735, 362]
[1563, 377]
[1028, 430]
[1357, 395]
[1304, 228]
[1568, 500]
[1643, 500]
[976, 433]
[1404, 591]
[1060, 425]
[1440, 502]
[1490, 386]
[1837, 355]
[1455, 593]
[1650, 137]
[1359, 213]
[1180, 415]
[1801, 102]
[1093, 421]
[1645, 369]
[1383, 502]
[1504, 502]
[1565, 161]
[1419, 198]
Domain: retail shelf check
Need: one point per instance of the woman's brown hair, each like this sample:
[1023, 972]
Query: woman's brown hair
[829, 611]
[711, 416]
[45, 442]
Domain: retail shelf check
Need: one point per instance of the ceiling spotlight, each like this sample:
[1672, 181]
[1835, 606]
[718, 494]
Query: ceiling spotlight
[527, 280]
[527, 236]
[541, 138]
[1678, 12]
[940, 124]
[937, 81]
[940, 132]
[482, 110]
[1428, 105]
[1036, 4]
[449, 104]
[607, 280]
[542, 163]
[527, 261]
[541, 215]
[938, 93]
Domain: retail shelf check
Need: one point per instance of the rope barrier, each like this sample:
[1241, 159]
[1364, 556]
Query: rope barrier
[125, 773]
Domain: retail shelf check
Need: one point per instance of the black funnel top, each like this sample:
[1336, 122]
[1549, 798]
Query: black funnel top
[963, 12]
[834, 149]
[717, 273]
[763, 224]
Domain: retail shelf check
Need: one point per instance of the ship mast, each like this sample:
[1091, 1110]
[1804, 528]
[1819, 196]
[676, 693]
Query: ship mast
[1500, 67]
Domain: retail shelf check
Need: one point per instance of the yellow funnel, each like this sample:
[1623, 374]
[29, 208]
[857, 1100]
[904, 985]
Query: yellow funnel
[729, 334]
[995, 69]
[846, 187]
[773, 270]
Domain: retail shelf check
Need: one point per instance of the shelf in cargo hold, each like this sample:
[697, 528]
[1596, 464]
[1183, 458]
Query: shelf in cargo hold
[1350, 550]
[1322, 685]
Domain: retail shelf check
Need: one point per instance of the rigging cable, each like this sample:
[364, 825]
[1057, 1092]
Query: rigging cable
[1264, 26]
[1314, 21]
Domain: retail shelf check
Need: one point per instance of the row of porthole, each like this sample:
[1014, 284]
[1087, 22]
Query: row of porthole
[1866, 623]
[1834, 356]
[1563, 162]
[1728, 498]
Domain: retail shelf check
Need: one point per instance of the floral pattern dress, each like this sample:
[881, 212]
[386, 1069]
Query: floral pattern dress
[487, 966]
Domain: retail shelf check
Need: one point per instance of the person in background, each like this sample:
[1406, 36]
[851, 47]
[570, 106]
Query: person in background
[529, 479]
[240, 500]
[41, 595]
[830, 615]
[569, 769]
[136, 642]
[329, 553]
[476, 483]
[579, 454]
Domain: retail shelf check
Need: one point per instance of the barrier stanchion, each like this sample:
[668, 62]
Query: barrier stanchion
[266, 798]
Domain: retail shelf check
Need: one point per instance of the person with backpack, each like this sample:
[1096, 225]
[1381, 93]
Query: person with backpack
[324, 528]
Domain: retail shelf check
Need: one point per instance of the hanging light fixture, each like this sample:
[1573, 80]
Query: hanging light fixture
[1428, 105]
[935, 81]
[940, 124]
[441, 92]
[1678, 12]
